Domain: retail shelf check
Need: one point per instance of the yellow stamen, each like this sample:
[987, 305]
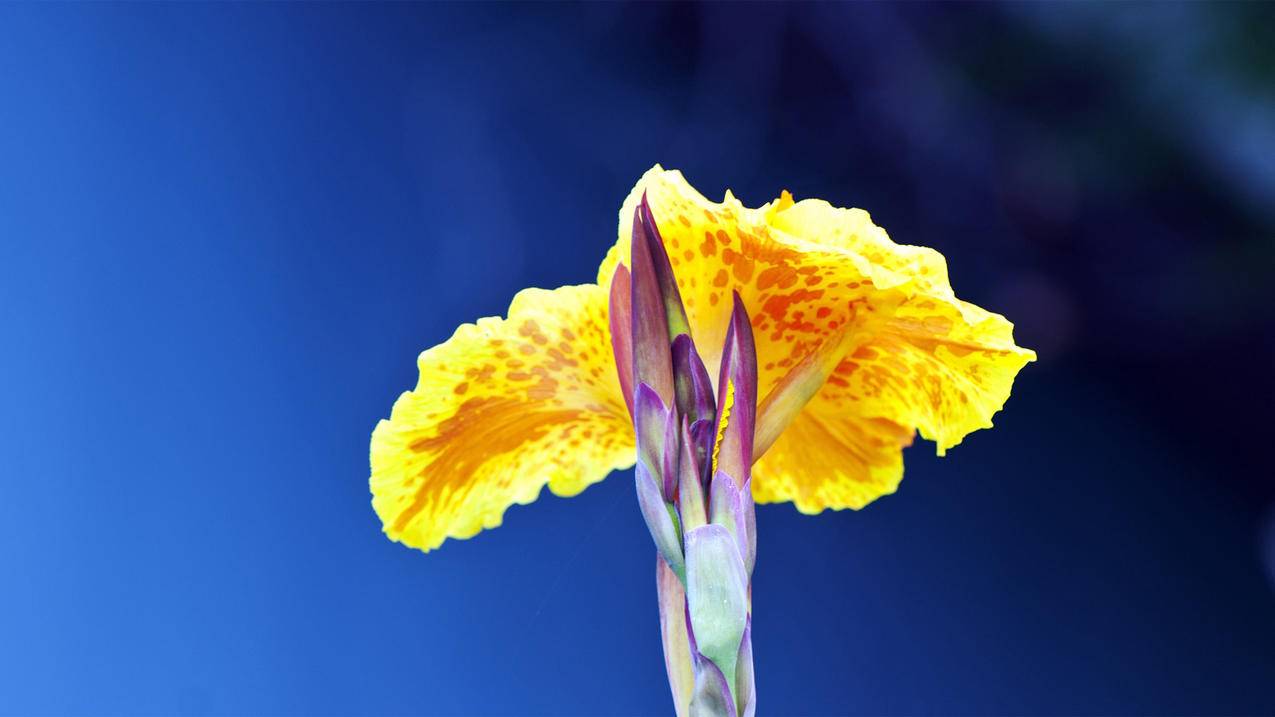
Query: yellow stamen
[725, 421]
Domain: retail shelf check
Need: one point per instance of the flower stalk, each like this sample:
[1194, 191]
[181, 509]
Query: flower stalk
[693, 477]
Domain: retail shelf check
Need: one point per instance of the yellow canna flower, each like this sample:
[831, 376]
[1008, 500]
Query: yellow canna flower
[860, 343]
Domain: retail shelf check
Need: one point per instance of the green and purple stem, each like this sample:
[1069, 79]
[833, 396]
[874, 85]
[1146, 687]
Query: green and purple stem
[697, 502]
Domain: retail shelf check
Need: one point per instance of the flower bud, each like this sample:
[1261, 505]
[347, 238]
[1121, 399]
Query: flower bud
[736, 398]
[660, 519]
[690, 489]
[717, 596]
[690, 378]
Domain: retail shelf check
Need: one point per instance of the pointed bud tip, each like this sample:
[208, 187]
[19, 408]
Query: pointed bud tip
[649, 399]
[737, 396]
[694, 389]
[650, 424]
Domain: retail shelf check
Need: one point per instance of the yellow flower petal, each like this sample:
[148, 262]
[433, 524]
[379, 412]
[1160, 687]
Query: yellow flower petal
[937, 363]
[919, 359]
[827, 459]
[797, 292]
[502, 408]
[508, 405]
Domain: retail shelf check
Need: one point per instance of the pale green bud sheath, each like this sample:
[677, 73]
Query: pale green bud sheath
[717, 593]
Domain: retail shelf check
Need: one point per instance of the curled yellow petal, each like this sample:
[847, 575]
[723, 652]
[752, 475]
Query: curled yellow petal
[812, 275]
[932, 361]
[501, 409]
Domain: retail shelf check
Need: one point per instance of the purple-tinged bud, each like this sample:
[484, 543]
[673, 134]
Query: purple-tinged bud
[675, 634]
[620, 319]
[690, 631]
[650, 423]
[657, 439]
[712, 697]
[674, 311]
[702, 522]
[750, 526]
[736, 397]
[660, 519]
[745, 685]
[690, 488]
[672, 456]
[652, 362]
[702, 435]
[731, 506]
[691, 381]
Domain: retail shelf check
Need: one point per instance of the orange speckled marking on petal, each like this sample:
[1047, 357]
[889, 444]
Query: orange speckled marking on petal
[928, 360]
[481, 432]
[824, 460]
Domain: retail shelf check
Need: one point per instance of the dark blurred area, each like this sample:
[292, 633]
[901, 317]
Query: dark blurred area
[227, 230]
[1104, 175]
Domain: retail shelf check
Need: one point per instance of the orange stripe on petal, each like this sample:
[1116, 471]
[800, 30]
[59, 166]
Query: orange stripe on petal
[501, 409]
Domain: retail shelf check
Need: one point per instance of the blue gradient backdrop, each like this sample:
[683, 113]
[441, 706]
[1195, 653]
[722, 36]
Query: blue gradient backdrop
[227, 230]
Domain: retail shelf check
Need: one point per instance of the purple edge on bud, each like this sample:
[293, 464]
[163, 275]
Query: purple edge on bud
[693, 386]
[672, 456]
[737, 376]
[712, 694]
[690, 497]
[652, 363]
[620, 319]
[702, 435]
[660, 519]
[745, 684]
[674, 311]
[650, 418]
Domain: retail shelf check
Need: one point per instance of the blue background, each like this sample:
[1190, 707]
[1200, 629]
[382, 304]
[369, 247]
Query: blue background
[226, 231]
